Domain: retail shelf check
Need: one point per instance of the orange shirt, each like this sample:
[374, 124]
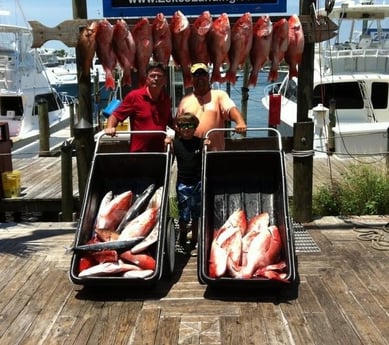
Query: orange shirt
[212, 110]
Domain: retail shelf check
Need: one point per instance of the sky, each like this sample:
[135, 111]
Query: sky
[61, 10]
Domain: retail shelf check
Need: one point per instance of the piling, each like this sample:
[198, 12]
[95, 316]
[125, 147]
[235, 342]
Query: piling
[44, 128]
[67, 181]
[84, 145]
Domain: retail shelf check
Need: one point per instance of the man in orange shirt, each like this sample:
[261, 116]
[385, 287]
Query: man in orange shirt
[211, 107]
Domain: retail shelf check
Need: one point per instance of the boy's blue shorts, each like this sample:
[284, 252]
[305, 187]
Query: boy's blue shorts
[189, 201]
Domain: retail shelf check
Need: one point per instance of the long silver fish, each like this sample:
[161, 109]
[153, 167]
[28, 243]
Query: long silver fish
[110, 245]
[134, 209]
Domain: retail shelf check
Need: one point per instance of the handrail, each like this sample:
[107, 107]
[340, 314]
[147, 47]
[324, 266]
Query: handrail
[124, 135]
[278, 134]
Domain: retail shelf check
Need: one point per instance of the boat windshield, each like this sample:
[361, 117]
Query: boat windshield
[287, 88]
[11, 104]
[53, 102]
[349, 95]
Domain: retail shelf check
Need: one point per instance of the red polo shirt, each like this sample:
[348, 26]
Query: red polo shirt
[145, 115]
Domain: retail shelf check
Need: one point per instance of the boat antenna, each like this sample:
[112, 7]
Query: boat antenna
[22, 13]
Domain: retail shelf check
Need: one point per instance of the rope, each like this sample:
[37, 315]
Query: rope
[379, 237]
[302, 153]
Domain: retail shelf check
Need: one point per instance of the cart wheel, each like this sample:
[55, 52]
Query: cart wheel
[170, 254]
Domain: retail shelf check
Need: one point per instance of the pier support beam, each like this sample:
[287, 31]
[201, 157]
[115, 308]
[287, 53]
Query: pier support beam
[84, 144]
[44, 128]
[67, 182]
[302, 171]
[303, 131]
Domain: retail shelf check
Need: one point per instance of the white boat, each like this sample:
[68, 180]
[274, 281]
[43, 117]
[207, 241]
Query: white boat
[352, 70]
[23, 82]
[62, 73]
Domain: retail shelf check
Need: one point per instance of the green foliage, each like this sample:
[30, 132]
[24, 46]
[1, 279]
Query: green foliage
[60, 53]
[363, 190]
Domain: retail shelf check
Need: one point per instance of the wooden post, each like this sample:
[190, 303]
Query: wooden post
[302, 162]
[387, 152]
[67, 181]
[303, 165]
[331, 125]
[245, 89]
[83, 134]
[79, 9]
[44, 128]
[84, 82]
[71, 118]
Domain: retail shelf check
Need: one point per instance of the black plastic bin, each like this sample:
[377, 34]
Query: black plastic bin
[119, 172]
[254, 180]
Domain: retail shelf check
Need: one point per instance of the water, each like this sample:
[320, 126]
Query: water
[257, 114]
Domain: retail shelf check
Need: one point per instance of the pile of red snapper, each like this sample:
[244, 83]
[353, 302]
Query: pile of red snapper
[123, 233]
[206, 40]
[247, 249]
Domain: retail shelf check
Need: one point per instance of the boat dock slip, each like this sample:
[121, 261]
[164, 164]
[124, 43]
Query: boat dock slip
[342, 295]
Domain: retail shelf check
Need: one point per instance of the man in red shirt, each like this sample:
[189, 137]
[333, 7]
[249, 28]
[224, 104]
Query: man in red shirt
[149, 109]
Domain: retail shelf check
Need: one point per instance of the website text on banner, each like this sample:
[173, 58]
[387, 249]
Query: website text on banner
[136, 8]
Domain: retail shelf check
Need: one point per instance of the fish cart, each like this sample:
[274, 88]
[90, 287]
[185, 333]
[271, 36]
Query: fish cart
[118, 172]
[253, 181]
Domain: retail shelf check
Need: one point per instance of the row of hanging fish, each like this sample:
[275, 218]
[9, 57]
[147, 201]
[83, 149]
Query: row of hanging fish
[246, 249]
[206, 40]
[123, 235]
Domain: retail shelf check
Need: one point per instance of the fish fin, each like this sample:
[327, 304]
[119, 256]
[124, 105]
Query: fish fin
[253, 79]
[273, 75]
[109, 81]
[127, 80]
[216, 77]
[231, 77]
[293, 72]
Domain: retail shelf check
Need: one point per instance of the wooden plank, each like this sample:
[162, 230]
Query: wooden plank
[126, 320]
[356, 302]
[46, 303]
[230, 332]
[147, 326]
[342, 330]
[296, 323]
[11, 326]
[276, 330]
[66, 324]
[253, 324]
[315, 29]
[168, 330]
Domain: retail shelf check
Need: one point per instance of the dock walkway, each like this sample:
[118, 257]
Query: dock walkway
[342, 296]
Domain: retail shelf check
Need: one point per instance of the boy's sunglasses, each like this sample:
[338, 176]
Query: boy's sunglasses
[200, 74]
[186, 125]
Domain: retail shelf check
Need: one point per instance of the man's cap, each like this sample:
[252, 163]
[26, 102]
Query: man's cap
[197, 67]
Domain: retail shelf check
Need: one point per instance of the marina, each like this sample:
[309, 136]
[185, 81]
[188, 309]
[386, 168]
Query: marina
[337, 294]
[24, 88]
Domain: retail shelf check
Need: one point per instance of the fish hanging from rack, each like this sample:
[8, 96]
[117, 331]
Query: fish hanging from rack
[105, 52]
[123, 44]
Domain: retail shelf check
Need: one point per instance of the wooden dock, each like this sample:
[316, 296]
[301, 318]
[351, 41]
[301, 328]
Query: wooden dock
[342, 296]
[41, 181]
[41, 187]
